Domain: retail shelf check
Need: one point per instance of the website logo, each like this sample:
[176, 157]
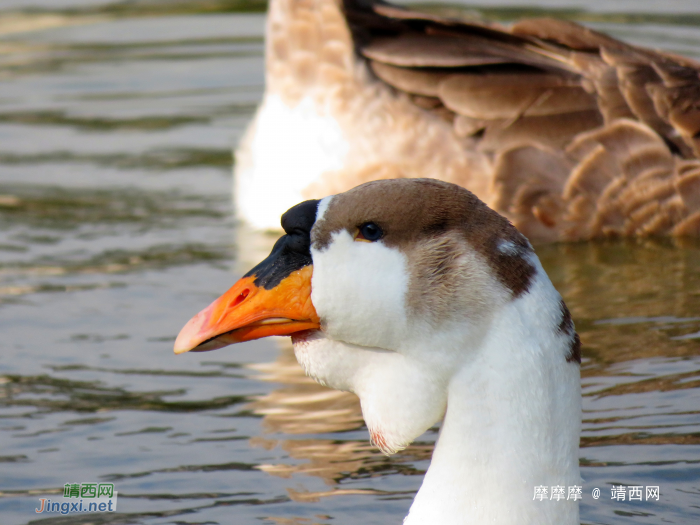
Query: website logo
[81, 497]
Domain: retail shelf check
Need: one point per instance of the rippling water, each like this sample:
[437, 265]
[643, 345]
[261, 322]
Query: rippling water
[116, 127]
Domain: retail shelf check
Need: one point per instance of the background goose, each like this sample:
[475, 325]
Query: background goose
[569, 133]
[417, 297]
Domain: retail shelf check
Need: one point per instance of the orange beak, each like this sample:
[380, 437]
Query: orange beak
[248, 312]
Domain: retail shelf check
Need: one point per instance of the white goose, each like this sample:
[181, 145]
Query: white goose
[429, 306]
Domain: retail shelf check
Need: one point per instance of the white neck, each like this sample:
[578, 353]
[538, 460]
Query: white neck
[512, 423]
[498, 376]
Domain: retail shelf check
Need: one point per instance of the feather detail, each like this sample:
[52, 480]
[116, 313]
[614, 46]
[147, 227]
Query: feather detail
[569, 132]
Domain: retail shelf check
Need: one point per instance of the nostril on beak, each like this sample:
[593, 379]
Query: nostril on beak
[241, 297]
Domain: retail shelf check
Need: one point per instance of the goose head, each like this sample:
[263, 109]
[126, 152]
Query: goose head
[428, 305]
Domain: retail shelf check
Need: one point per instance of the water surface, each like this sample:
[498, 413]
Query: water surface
[116, 127]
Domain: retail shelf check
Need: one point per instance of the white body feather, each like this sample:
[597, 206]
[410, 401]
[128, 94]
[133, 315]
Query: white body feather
[284, 150]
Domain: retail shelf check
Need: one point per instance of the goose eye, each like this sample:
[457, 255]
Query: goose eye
[369, 232]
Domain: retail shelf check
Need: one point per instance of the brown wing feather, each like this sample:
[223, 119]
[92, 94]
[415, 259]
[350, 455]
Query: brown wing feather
[590, 136]
[429, 50]
[570, 133]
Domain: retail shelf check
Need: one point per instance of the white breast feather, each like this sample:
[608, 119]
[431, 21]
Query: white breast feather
[285, 150]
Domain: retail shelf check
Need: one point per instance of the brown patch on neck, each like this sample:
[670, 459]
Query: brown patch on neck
[574, 350]
[509, 259]
[566, 327]
[449, 281]
[414, 211]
